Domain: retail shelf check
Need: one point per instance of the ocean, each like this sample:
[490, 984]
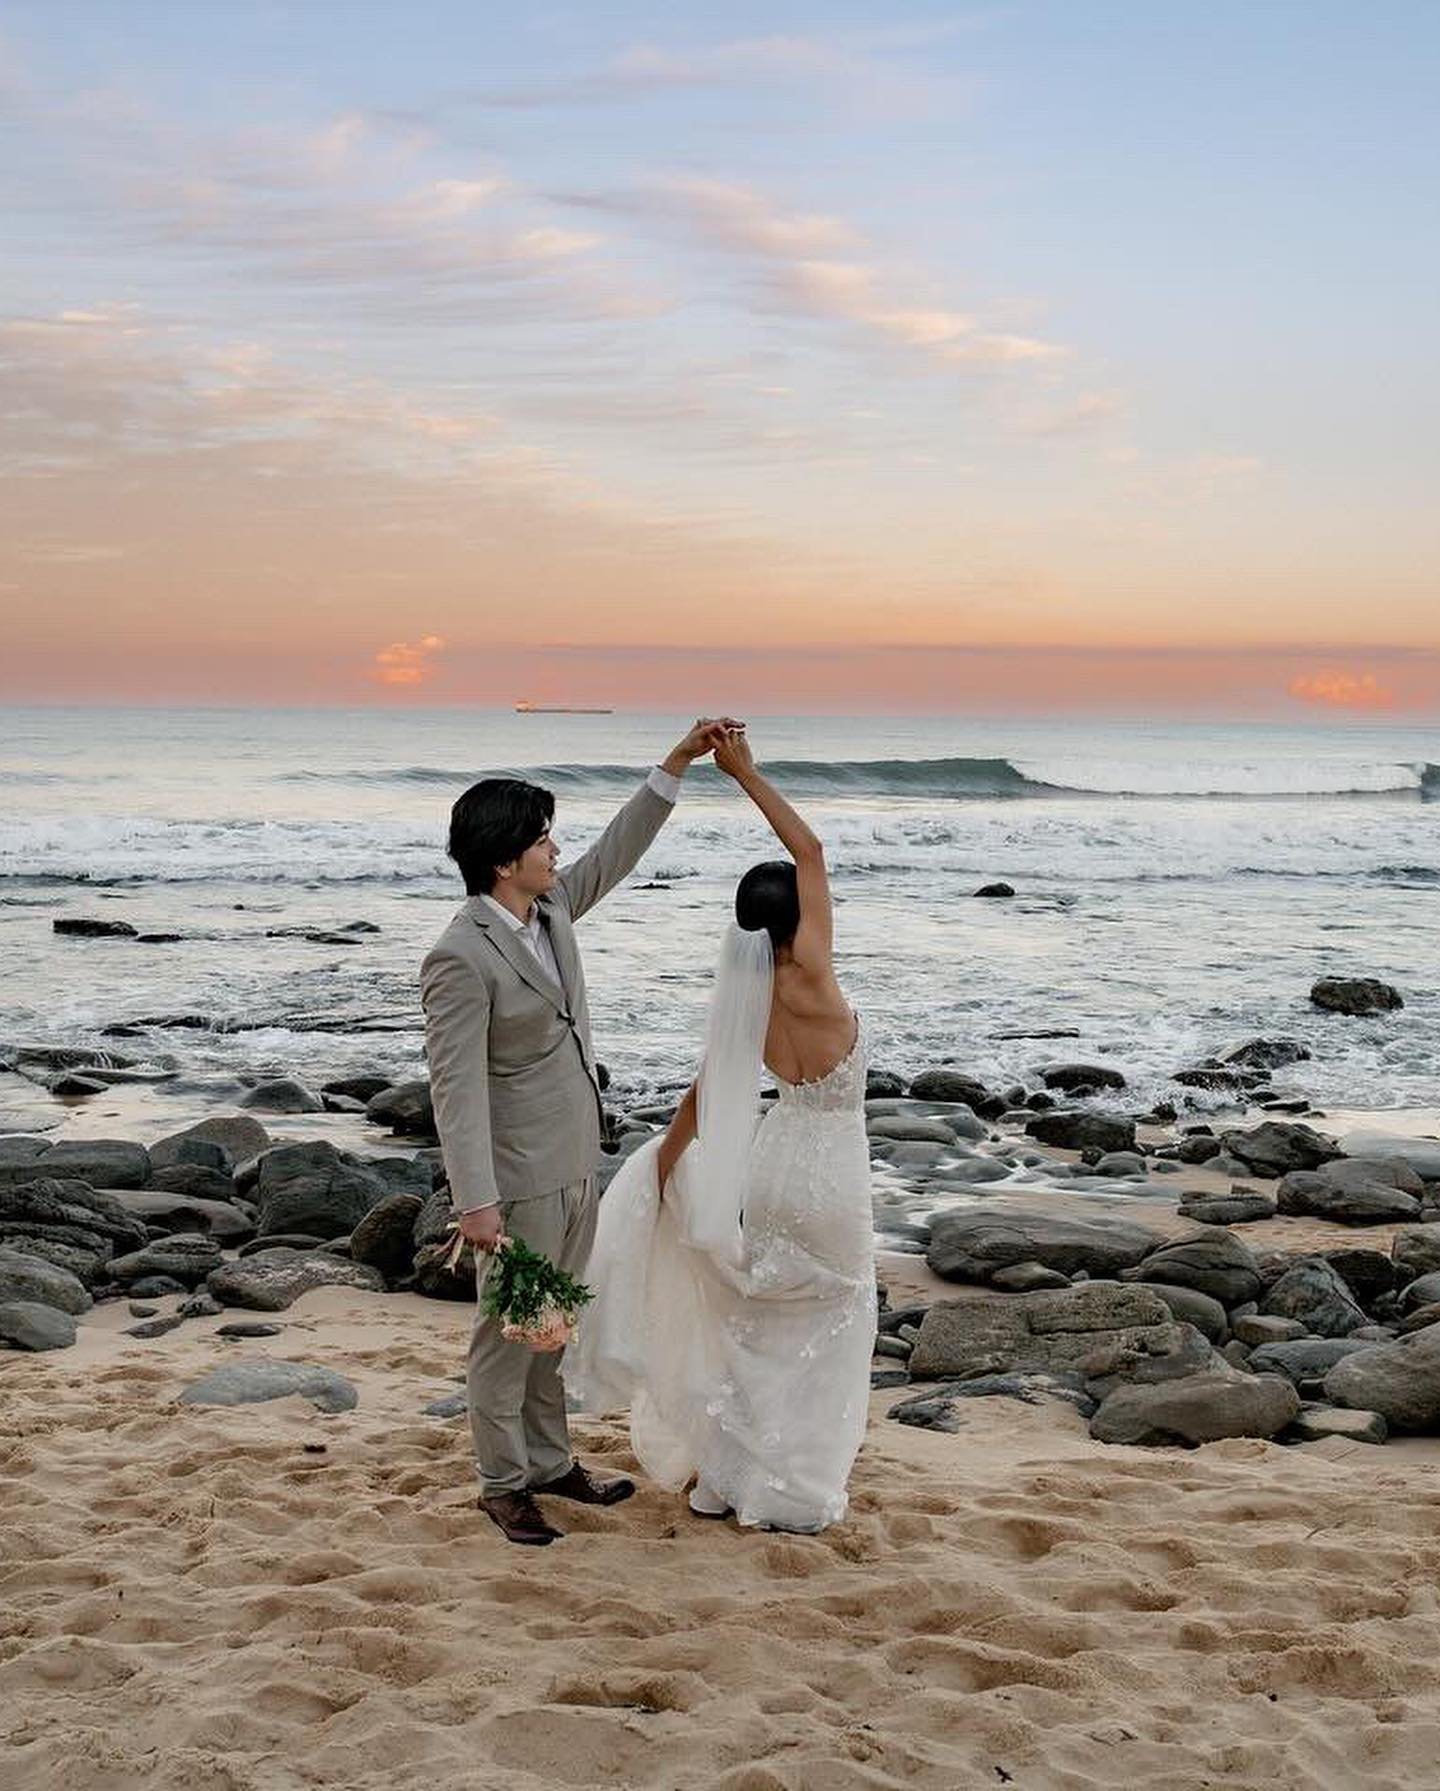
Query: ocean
[1178, 888]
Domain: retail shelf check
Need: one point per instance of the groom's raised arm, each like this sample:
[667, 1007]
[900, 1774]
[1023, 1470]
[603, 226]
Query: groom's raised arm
[620, 847]
[457, 1046]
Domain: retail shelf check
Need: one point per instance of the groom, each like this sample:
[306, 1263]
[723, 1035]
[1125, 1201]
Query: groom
[517, 1100]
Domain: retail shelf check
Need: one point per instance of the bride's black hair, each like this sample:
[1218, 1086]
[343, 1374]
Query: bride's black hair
[768, 897]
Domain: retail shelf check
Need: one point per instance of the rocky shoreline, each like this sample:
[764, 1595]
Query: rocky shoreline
[1158, 1321]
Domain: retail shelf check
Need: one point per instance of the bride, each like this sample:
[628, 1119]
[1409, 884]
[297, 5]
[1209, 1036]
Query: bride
[734, 1265]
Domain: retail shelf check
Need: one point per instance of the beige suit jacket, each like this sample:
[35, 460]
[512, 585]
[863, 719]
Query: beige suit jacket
[512, 1070]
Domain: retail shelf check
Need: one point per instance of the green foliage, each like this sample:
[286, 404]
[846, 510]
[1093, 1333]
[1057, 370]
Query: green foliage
[520, 1284]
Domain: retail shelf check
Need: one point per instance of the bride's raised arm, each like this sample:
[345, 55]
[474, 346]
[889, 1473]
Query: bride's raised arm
[815, 934]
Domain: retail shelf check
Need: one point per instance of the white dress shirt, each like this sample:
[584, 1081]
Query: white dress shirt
[530, 931]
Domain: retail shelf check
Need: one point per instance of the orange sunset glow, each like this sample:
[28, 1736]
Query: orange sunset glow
[366, 393]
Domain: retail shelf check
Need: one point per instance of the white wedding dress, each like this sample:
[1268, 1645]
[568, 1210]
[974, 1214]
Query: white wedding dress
[744, 1359]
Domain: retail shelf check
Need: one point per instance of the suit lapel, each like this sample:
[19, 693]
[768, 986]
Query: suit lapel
[516, 953]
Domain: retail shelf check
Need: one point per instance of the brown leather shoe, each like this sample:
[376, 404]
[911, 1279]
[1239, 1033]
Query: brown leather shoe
[585, 1488]
[519, 1518]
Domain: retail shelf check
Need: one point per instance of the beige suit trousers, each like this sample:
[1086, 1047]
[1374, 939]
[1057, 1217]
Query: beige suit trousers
[516, 1394]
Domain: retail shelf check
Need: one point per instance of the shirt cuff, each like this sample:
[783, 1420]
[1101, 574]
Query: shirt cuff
[664, 785]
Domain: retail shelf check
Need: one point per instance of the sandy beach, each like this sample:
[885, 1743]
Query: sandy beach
[266, 1597]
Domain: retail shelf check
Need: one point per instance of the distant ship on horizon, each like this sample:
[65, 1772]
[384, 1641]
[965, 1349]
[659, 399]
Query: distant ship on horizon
[525, 707]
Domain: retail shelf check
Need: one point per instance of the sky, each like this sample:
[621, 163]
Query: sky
[1031, 356]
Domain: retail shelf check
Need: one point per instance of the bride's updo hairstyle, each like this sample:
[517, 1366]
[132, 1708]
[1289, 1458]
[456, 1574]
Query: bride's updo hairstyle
[768, 899]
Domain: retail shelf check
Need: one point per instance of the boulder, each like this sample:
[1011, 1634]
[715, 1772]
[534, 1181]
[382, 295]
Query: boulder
[1189, 1306]
[1027, 1277]
[954, 1085]
[247, 1383]
[1241, 1206]
[360, 1087]
[88, 927]
[1315, 1295]
[910, 1128]
[1418, 1319]
[166, 1212]
[1422, 1154]
[313, 1187]
[1304, 1358]
[1355, 995]
[32, 1281]
[1369, 1274]
[385, 1238]
[971, 1245]
[1070, 1076]
[437, 1280]
[1316, 1422]
[1255, 1329]
[102, 1162]
[21, 1148]
[187, 1258]
[283, 1095]
[406, 1109]
[87, 1266]
[1197, 1147]
[1415, 1250]
[275, 1279]
[1066, 1129]
[1353, 1191]
[69, 1212]
[237, 1135]
[1211, 1261]
[883, 1085]
[1400, 1380]
[1215, 1078]
[26, 1324]
[70, 1085]
[994, 891]
[1101, 1330]
[1423, 1291]
[403, 1175]
[197, 1180]
[1278, 1146]
[1199, 1408]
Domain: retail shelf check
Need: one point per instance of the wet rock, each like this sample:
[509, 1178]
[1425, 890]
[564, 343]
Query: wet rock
[1200, 1408]
[404, 1175]
[275, 1279]
[237, 1135]
[909, 1128]
[157, 1287]
[1422, 1154]
[243, 1329]
[1197, 1147]
[69, 1212]
[883, 1085]
[1317, 1297]
[187, 1258]
[1266, 1054]
[1423, 1291]
[1355, 995]
[165, 1212]
[1277, 1146]
[283, 1095]
[1213, 1262]
[87, 1266]
[197, 1180]
[29, 1325]
[953, 1085]
[72, 1085]
[20, 1149]
[363, 1086]
[1241, 1206]
[1304, 1358]
[385, 1238]
[1215, 1078]
[1400, 1380]
[971, 1246]
[102, 1162]
[32, 1281]
[995, 891]
[246, 1383]
[406, 1108]
[200, 1305]
[1069, 1130]
[1353, 1191]
[1069, 1076]
[88, 927]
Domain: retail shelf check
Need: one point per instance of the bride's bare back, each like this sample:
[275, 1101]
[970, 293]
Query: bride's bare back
[812, 1026]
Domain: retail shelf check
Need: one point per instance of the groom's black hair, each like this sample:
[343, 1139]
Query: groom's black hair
[768, 897]
[492, 824]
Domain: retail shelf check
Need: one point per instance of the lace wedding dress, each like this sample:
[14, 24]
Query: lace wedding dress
[746, 1365]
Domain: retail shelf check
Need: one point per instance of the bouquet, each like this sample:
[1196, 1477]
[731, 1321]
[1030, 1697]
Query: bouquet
[536, 1303]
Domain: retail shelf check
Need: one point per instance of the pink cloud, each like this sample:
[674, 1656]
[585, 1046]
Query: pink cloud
[1343, 690]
